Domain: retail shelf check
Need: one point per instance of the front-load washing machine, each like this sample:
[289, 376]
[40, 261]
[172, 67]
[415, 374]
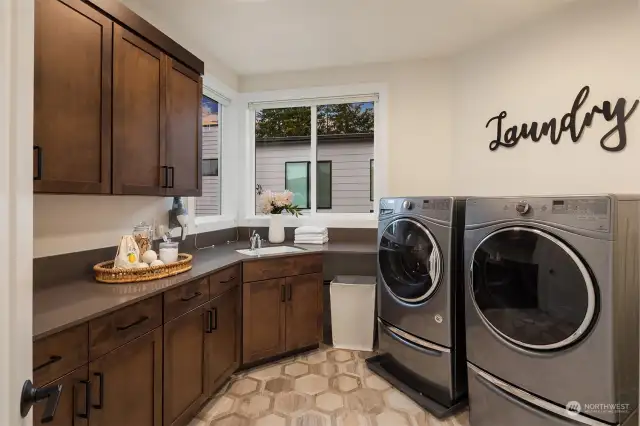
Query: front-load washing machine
[552, 310]
[420, 298]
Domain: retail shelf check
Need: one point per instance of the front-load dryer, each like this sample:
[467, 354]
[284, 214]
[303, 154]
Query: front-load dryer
[420, 296]
[552, 310]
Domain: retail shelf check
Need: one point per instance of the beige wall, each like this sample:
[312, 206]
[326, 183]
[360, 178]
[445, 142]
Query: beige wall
[419, 116]
[535, 74]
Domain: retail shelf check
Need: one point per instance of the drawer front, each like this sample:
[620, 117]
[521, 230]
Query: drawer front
[57, 355]
[185, 298]
[264, 269]
[117, 328]
[223, 280]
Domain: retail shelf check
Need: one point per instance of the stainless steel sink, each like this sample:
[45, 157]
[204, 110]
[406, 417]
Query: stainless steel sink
[266, 251]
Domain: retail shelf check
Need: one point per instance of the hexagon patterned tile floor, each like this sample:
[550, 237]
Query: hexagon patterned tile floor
[327, 387]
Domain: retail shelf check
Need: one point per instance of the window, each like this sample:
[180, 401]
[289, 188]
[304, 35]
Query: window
[209, 203]
[210, 167]
[297, 180]
[324, 185]
[322, 153]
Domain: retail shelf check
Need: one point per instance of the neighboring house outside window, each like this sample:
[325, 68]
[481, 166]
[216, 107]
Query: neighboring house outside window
[209, 203]
[345, 145]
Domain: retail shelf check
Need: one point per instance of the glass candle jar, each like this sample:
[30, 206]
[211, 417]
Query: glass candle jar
[168, 252]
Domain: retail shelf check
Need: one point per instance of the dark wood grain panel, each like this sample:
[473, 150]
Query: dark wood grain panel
[139, 116]
[221, 281]
[72, 98]
[263, 319]
[223, 349]
[185, 380]
[256, 270]
[57, 355]
[73, 409]
[117, 328]
[127, 384]
[184, 130]
[304, 311]
[183, 299]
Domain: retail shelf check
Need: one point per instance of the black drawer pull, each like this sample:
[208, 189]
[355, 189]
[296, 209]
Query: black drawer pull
[52, 360]
[173, 174]
[290, 292]
[38, 150]
[100, 404]
[233, 277]
[166, 176]
[283, 293]
[133, 324]
[214, 319]
[196, 294]
[87, 398]
[209, 322]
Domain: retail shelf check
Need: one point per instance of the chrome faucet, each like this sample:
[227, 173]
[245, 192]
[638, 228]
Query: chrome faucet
[255, 240]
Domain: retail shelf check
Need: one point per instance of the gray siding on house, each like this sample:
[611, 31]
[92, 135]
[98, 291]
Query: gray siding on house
[209, 203]
[349, 170]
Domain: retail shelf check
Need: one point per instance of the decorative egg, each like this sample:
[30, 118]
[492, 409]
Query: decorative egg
[157, 263]
[149, 256]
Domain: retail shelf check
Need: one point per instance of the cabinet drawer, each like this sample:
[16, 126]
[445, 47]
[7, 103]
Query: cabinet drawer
[115, 329]
[223, 280]
[264, 269]
[56, 355]
[185, 298]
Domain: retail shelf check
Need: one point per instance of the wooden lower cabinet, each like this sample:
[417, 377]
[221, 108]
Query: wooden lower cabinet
[185, 384]
[126, 384]
[73, 408]
[263, 322]
[304, 311]
[223, 342]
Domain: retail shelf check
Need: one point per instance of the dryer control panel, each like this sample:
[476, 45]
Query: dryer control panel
[589, 213]
[439, 208]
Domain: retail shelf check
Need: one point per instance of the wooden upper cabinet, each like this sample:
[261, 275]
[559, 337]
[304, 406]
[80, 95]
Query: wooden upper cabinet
[139, 116]
[304, 311]
[184, 130]
[264, 308]
[185, 381]
[72, 98]
[126, 384]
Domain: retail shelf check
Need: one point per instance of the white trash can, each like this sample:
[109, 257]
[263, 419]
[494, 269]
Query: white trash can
[353, 300]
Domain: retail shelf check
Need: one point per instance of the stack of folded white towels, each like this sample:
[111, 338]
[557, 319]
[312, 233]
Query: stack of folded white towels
[311, 235]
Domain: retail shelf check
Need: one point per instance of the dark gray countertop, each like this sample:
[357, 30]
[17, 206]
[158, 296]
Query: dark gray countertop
[61, 307]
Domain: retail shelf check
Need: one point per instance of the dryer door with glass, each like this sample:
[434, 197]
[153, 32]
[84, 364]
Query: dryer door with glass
[532, 290]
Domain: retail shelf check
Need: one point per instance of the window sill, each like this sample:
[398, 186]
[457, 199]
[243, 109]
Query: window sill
[330, 220]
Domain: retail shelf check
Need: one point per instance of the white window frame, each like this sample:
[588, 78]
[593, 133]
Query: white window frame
[227, 151]
[312, 97]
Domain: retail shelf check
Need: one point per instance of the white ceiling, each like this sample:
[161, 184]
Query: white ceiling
[260, 36]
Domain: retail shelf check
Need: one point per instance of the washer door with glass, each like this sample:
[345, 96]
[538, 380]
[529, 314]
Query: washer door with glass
[410, 261]
[532, 289]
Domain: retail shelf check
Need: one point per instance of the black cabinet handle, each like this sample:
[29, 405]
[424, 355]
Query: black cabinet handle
[229, 280]
[32, 395]
[87, 398]
[290, 292]
[214, 319]
[38, 150]
[133, 324]
[173, 173]
[209, 322]
[100, 404]
[196, 294]
[166, 176]
[52, 360]
[283, 293]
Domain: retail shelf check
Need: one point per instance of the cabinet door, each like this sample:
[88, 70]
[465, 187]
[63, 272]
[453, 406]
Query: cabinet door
[263, 323]
[184, 130]
[73, 409]
[304, 311]
[184, 367]
[223, 350]
[139, 111]
[126, 384]
[72, 98]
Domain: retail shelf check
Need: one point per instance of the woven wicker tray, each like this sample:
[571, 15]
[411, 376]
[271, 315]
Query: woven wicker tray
[106, 273]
